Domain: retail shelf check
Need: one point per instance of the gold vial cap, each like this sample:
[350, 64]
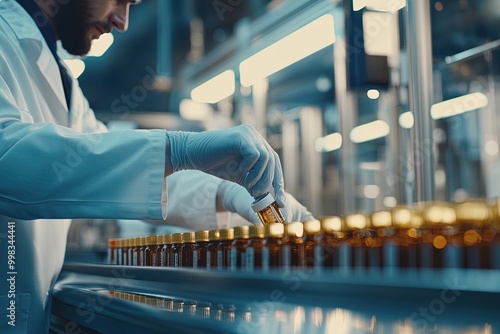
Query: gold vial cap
[294, 229]
[167, 239]
[188, 237]
[177, 238]
[332, 224]
[312, 227]
[226, 234]
[380, 219]
[137, 241]
[159, 240]
[214, 235]
[256, 231]
[275, 230]
[201, 236]
[151, 240]
[356, 221]
[242, 232]
[439, 213]
[473, 211]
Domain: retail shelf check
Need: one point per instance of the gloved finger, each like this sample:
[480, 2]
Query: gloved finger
[279, 183]
[250, 155]
[254, 176]
[265, 182]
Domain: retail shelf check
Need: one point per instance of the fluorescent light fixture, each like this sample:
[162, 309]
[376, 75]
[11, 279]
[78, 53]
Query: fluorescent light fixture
[215, 89]
[307, 40]
[373, 94]
[101, 45]
[406, 120]
[390, 202]
[371, 191]
[491, 147]
[194, 111]
[329, 143]
[370, 131]
[76, 66]
[459, 105]
[379, 5]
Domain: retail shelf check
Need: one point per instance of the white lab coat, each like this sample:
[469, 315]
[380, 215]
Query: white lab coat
[56, 165]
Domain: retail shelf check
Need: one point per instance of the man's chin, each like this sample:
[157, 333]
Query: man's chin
[77, 49]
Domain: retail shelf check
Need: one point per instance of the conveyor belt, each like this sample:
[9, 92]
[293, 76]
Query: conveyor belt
[303, 301]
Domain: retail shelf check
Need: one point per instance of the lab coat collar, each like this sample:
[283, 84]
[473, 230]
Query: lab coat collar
[31, 39]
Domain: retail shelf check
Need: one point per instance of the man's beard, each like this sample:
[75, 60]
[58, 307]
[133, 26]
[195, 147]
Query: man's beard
[72, 25]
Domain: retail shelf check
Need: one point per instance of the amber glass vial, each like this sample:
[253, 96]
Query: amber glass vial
[224, 247]
[293, 246]
[125, 257]
[379, 243]
[254, 247]
[476, 231]
[238, 247]
[131, 249]
[268, 211]
[357, 225]
[157, 251]
[271, 250]
[494, 234]
[200, 249]
[312, 236]
[187, 249]
[111, 251]
[332, 239]
[149, 250]
[165, 250]
[407, 222]
[142, 251]
[175, 251]
[440, 246]
[119, 251]
[136, 252]
[214, 236]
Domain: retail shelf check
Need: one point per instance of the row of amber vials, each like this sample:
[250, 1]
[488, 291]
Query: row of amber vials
[433, 234]
[219, 312]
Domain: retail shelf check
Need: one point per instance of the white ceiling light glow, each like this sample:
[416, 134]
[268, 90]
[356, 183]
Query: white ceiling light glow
[215, 89]
[370, 131]
[307, 40]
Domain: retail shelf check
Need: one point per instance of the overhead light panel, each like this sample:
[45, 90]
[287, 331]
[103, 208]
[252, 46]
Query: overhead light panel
[459, 105]
[406, 120]
[194, 111]
[307, 40]
[379, 5]
[329, 143]
[215, 89]
[370, 131]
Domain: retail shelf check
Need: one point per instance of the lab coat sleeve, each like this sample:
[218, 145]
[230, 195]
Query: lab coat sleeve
[50, 171]
[192, 201]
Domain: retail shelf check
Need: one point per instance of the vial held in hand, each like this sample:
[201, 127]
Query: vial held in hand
[268, 211]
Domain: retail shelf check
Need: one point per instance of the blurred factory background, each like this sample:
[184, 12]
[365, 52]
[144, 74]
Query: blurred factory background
[327, 82]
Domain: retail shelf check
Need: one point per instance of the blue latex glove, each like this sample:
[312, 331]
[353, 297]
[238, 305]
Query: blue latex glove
[234, 198]
[238, 154]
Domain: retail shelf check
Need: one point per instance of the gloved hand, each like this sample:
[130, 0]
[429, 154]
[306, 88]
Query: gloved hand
[238, 154]
[234, 198]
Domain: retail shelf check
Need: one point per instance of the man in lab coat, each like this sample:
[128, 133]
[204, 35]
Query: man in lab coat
[58, 162]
